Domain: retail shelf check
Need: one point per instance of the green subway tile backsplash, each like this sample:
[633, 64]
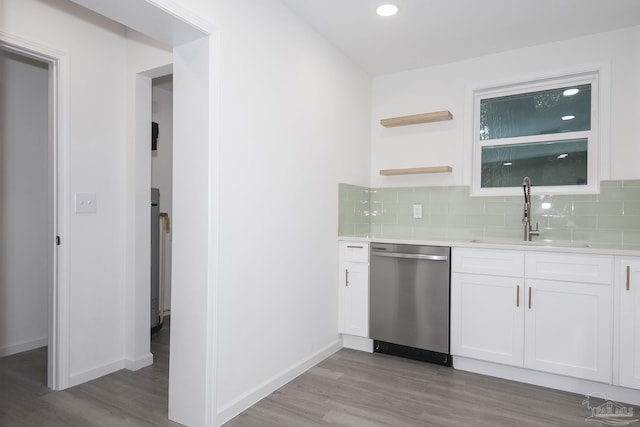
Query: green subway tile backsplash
[629, 207]
[353, 211]
[450, 213]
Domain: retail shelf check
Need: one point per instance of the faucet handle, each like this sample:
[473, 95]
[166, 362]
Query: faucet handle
[535, 231]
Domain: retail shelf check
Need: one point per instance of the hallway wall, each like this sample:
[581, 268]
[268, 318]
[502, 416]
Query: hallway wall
[25, 214]
[99, 282]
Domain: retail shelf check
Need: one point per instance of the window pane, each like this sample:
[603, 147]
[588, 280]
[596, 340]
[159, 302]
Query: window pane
[536, 113]
[546, 163]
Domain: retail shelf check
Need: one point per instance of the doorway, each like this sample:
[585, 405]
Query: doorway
[162, 186]
[27, 207]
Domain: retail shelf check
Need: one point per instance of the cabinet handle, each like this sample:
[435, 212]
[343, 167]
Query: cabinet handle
[346, 277]
[529, 297]
[518, 296]
[354, 247]
[628, 277]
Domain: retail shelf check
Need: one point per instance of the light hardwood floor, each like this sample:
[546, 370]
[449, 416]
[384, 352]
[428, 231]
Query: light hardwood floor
[121, 399]
[350, 388]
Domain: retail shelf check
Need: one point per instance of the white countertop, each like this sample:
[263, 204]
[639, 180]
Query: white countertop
[568, 247]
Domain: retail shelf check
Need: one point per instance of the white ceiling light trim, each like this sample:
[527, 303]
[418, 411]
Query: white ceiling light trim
[387, 10]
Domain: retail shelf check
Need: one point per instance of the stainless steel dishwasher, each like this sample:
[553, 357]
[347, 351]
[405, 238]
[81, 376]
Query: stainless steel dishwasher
[409, 301]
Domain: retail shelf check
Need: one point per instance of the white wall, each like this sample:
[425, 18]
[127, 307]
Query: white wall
[294, 122]
[25, 211]
[162, 168]
[193, 340]
[145, 58]
[99, 279]
[443, 88]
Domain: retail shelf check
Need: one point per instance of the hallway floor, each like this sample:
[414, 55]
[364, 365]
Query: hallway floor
[121, 399]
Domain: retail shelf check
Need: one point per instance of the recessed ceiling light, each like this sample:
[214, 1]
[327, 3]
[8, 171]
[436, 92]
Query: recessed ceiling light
[563, 156]
[570, 92]
[387, 10]
[507, 164]
[568, 117]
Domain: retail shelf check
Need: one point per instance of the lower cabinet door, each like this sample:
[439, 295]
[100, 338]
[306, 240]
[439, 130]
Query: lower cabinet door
[568, 329]
[354, 299]
[487, 318]
[629, 322]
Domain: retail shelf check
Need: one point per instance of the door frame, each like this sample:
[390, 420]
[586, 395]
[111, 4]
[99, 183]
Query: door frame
[196, 224]
[58, 143]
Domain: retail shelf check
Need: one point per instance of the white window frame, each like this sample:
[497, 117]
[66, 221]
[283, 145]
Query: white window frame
[594, 146]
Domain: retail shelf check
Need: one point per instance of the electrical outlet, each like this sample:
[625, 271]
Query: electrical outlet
[417, 210]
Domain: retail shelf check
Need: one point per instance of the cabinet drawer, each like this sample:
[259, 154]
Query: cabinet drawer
[487, 261]
[354, 251]
[570, 267]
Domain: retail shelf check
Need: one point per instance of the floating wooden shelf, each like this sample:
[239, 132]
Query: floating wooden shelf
[410, 171]
[437, 116]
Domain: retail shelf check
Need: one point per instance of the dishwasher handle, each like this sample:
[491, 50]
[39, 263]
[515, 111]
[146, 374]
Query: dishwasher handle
[411, 256]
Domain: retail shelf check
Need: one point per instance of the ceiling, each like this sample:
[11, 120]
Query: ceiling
[164, 82]
[430, 32]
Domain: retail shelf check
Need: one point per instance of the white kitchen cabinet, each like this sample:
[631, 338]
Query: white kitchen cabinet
[568, 315]
[568, 329]
[570, 267]
[628, 322]
[490, 262]
[486, 305]
[506, 310]
[486, 318]
[353, 297]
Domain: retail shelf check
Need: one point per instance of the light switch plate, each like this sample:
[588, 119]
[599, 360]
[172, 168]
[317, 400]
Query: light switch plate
[417, 210]
[86, 203]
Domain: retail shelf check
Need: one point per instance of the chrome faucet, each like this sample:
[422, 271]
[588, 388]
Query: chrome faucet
[526, 219]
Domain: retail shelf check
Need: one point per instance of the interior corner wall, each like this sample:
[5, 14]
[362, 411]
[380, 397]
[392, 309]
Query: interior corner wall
[25, 210]
[444, 87]
[295, 117]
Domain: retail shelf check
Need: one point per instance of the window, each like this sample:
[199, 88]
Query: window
[546, 130]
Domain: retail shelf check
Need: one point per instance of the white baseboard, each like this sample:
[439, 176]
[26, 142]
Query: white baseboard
[93, 373]
[544, 379]
[139, 363]
[8, 350]
[236, 406]
[357, 343]
[100, 371]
